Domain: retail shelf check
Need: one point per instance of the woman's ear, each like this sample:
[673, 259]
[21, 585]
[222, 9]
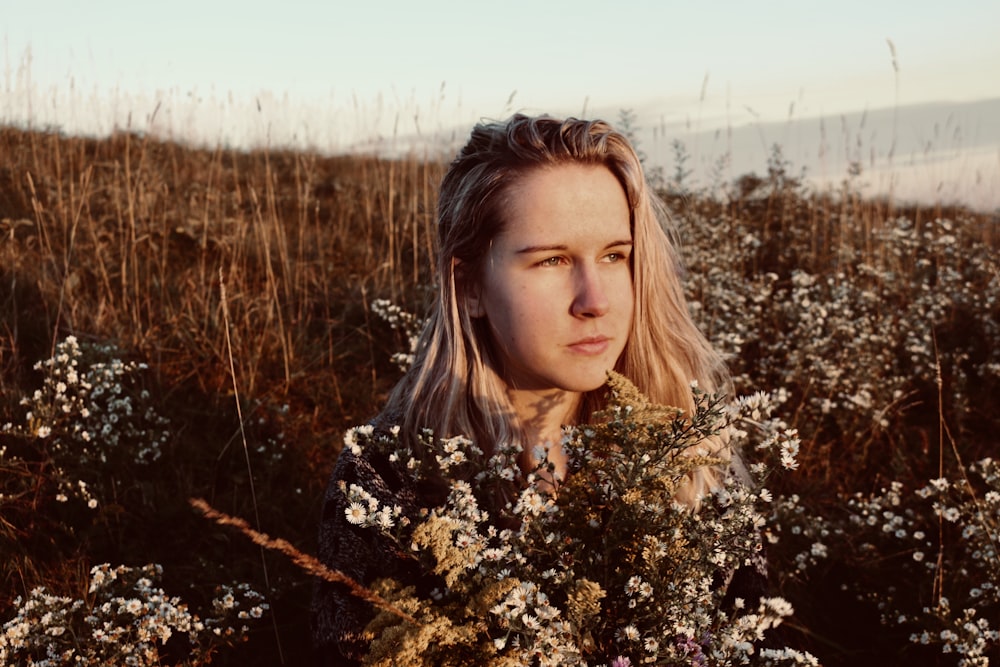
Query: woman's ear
[468, 290]
[474, 304]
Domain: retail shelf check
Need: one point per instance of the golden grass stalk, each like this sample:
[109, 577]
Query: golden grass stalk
[308, 563]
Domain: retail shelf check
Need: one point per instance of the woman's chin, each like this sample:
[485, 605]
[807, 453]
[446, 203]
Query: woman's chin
[591, 382]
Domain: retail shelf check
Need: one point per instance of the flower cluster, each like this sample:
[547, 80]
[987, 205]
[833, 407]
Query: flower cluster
[90, 415]
[857, 336]
[125, 619]
[887, 346]
[942, 536]
[399, 320]
[606, 567]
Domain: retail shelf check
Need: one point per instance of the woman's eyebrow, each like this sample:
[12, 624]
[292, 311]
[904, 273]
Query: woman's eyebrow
[541, 248]
[560, 246]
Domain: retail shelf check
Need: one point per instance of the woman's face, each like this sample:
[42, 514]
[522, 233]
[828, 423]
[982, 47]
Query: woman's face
[556, 287]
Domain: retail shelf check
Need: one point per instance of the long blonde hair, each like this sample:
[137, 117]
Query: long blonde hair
[453, 387]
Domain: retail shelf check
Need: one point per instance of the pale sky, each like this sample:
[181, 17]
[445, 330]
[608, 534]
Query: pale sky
[338, 73]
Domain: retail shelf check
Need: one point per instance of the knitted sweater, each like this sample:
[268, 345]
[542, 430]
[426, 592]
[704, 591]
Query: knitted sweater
[339, 618]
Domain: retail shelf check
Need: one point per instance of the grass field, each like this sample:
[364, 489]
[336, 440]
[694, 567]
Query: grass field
[235, 290]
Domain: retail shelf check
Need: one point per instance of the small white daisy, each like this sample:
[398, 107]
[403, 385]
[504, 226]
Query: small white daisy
[356, 513]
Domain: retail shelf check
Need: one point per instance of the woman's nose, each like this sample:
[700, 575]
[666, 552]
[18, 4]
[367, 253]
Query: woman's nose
[590, 298]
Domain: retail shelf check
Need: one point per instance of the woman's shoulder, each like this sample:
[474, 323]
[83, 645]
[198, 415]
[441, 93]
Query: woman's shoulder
[366, 459]
[385, 421]
[379, 458]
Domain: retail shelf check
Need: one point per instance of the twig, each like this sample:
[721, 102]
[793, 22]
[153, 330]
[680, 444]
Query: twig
[945, 431]
[246, 449]
[308, 563]
[938, 587]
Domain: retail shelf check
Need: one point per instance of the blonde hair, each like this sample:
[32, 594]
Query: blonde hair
[453, 387]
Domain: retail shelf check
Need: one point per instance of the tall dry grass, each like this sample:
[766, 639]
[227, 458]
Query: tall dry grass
[124, 240]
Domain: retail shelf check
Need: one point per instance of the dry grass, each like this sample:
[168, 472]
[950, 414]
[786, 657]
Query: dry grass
[125, 239]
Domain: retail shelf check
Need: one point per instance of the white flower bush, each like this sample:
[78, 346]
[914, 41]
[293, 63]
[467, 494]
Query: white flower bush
[125, 619]
[859, 343]
[90, 417]
[944, 535]
[886, 349]
[88, 439]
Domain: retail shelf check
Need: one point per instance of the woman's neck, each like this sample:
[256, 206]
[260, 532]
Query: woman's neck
[542, 416]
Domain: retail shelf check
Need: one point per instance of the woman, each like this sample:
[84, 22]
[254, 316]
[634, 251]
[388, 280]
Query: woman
[554, 267]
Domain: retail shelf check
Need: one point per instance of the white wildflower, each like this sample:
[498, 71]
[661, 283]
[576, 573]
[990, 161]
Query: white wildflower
[356, 513]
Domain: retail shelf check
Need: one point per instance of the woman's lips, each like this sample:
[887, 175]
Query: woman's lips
[592, 345]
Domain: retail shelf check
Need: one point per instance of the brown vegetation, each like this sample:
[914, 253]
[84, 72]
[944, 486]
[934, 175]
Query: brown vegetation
[137, 242]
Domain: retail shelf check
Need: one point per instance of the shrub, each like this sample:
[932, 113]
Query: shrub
[125, 619]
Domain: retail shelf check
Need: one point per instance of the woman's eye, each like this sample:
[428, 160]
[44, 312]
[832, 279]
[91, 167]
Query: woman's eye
[614, 257]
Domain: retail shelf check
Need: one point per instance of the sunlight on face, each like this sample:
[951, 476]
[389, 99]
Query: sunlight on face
[557, 287]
